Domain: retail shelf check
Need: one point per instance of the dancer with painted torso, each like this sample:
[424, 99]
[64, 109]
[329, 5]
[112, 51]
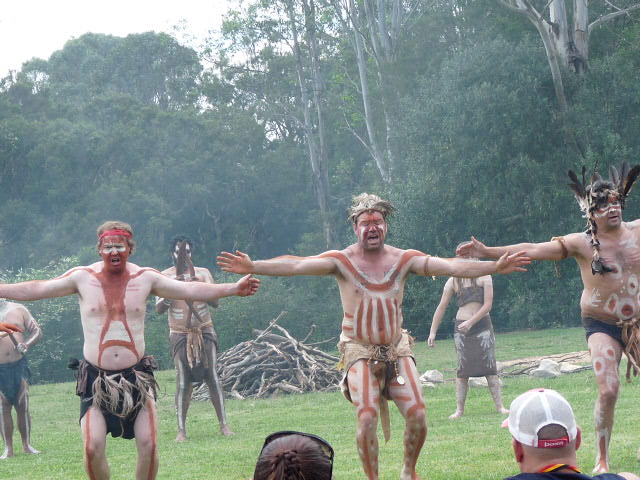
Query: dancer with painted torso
[473, 336]
[608, 255]
[194, 342]
[15, 374]
[377, 355]
[115, 379]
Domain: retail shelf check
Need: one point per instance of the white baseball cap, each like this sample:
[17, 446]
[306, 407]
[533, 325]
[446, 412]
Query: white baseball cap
[536, 409]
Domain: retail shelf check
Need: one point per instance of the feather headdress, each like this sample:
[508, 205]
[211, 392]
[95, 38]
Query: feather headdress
[597, 194]
[366, 202]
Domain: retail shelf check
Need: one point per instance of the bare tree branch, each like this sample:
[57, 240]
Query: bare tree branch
[610, 16]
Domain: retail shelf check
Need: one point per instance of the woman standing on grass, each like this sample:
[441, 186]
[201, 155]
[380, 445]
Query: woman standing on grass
[473, 336]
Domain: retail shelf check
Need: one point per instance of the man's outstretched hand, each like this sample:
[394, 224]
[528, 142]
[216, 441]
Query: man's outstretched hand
[235, 263]
[247, 285]
[8, 328]
[512, 263]
[473, 248]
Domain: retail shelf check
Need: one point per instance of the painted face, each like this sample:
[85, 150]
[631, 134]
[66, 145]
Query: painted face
[609, 207]
[114, 251]
[371, 230]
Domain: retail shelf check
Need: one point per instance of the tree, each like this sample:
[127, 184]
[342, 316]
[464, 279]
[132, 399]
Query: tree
[277, 39]
[374, 30]
[566, 45]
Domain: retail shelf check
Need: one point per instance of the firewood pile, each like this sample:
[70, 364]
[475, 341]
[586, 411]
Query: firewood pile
[274, 362]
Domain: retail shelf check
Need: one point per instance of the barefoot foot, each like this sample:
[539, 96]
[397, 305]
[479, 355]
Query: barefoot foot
[226, 431]
[502, 411]
[456, 415]
[408, 474]
[6, 454]
[29, 449]
[181, 437]
[601, 467]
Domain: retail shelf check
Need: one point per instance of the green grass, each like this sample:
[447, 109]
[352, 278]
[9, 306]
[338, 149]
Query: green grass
[473, 447]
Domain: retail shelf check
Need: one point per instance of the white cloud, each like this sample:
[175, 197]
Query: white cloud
[37, 28]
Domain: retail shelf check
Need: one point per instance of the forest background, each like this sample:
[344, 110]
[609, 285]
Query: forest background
[466, 114]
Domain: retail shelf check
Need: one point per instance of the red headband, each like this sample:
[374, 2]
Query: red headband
[113, 233]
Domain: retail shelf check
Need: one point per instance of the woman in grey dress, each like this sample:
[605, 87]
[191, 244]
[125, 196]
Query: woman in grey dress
[473, 336]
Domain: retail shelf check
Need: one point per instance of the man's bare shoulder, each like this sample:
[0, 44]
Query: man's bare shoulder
[17, 311]
[633, 224]
[578, 242]
[169, 272]
[134, 269]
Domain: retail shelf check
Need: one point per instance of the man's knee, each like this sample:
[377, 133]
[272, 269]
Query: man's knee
[94, 448]
[367, 418]
[147, 444]
[416, 417]
[608, 392]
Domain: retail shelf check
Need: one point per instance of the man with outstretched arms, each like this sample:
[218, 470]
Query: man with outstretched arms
[115, 379]
[15, 374]
[194, 342]
[376, 350]
[608, 255]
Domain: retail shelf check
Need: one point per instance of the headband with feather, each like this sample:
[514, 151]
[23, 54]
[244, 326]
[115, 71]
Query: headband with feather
[598, 193]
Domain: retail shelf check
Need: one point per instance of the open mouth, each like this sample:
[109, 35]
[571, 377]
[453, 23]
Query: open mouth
[115, 260]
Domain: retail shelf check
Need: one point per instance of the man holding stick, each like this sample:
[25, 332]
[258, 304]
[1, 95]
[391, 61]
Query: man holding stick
[194, 342]
[608, 255]
[115, 379]
[379, 364]
[15, 374]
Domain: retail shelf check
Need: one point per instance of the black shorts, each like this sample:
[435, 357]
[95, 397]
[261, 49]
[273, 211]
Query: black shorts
[591, 326]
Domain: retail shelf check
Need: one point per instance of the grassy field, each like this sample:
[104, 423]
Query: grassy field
[473, 447]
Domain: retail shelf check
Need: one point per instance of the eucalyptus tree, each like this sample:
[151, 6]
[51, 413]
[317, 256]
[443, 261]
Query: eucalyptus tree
[280, 44]
[565, 34]
[375, 29]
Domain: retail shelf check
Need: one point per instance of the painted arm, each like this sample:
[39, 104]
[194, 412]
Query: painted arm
[447, 293]
[286, 265]
[209, 279]
[465, 326]
[32, 328]
[459, 267]
[552, 250]
[163, 304]
[200, 291]
[39, 289]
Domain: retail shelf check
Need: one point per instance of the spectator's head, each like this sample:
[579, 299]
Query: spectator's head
[294, 456]
[543, 428]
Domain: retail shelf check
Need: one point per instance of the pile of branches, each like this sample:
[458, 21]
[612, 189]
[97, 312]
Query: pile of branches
[275, 363]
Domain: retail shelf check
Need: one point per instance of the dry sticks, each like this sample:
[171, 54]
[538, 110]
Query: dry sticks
[273, 363]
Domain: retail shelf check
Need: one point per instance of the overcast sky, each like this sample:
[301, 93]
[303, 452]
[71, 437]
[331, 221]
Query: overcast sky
[37, 28]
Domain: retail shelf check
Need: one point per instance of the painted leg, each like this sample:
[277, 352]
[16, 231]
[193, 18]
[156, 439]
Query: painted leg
[24, 419]
[462, 387]
[94, 436]
[496, 393]
[365, 396]
[605, 358]
[184, 389]
[6, 427]
[408, 398]
[146, 431]
[215, 390]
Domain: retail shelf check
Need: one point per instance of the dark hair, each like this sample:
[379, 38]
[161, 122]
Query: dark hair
[294, 456]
